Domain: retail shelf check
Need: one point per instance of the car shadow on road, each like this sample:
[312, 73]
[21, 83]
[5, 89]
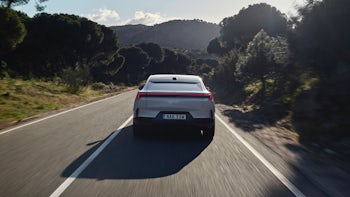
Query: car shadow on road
[149, 157]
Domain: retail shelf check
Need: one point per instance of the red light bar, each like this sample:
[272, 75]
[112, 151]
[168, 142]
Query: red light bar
[144, 94]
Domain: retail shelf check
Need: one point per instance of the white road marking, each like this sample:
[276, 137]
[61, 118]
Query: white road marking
[58, 114]
[274, 171]
[82, 167]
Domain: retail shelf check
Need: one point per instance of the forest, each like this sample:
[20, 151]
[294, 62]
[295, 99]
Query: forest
[292, 66]
[299, 66]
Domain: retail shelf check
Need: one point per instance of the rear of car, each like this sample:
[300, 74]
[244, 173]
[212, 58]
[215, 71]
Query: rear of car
[179, 100]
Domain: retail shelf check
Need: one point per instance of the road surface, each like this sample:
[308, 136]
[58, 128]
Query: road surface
[81, 152]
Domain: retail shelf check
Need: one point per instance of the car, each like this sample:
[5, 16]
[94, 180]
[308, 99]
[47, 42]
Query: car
[174, 100]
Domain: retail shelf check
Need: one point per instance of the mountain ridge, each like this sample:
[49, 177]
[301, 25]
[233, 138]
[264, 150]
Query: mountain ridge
[183, 34]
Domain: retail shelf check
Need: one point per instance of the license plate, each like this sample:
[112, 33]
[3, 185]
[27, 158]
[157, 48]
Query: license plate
[174, 116]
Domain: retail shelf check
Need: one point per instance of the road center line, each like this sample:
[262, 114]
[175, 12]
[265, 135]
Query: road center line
[58, 114]
[274, 171]
[93, 156]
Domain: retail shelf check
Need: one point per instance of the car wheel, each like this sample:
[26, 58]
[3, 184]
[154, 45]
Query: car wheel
[209, 133]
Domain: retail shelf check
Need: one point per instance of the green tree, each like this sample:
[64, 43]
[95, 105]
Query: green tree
[322, 35]
[10, 3]
[12, 30]
[55, 42]
[215, 47]
[76, 77]
[169, 62]
[321, 43]
[240, 29]
[134, 68]
[174, 63]
[224, 77]
[155, 53]
[264, 59]
[182, 64]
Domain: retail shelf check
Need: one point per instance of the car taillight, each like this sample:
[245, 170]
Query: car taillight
[143, 94]
[210, 97]
[139, 94]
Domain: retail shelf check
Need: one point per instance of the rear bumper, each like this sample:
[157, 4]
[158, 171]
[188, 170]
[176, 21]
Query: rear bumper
[201, 123]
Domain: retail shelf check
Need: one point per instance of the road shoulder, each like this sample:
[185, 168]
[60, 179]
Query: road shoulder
[320, 171]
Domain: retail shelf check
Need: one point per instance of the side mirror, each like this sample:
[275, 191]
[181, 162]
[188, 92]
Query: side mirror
[141, 87]
[207, 88]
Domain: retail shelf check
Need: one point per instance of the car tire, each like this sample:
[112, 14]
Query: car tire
[210, 132]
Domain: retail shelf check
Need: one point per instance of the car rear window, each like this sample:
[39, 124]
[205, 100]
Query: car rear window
[174, 86]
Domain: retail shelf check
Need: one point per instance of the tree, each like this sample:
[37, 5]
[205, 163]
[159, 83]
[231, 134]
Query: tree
[12, 30]
[10, 3]
[240, 29]
[215, 47]
[322, 35]
[321, 43]
[182, 64]
[154, 51]
[136, 62]
[261, 61]
[56, 42]
[224, 77]
[174, 63]
[169, 62]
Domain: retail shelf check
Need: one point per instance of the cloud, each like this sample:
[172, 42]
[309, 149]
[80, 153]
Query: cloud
[147, 18]
[111, 17]
[104, 16]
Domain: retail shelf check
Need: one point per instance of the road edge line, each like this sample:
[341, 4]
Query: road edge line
[266, 163]
[58, 114]
[83, 166]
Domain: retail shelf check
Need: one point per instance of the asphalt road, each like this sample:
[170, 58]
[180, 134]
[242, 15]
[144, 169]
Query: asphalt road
[40, 158]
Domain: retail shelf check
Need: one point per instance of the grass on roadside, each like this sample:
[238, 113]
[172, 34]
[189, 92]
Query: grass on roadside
[20, 99]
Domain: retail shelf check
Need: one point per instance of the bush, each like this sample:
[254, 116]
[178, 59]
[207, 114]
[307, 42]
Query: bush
[98, 86]
[75, 78]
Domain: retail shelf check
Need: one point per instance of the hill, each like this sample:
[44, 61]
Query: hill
[182, 34]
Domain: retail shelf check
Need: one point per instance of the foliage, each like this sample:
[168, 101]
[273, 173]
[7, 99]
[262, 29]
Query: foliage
[224, 76]
[56, 42]
[20, 99]
[203, 67]
[266, 58]
[134, 68]
[76, 78]
[155, 53]
[215, 47]
[305, 67]
[10, 3]
[322, 35]
[12, 30]
[240, 29]
[178, 63]
[321, 42]
[98, 86]
[153, 50]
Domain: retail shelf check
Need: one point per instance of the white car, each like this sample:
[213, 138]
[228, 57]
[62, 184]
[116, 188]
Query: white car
[169, 99]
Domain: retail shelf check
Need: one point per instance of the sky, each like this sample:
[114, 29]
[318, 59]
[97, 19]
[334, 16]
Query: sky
[150, 12]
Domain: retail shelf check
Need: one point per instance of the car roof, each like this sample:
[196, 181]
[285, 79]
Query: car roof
[175, 77]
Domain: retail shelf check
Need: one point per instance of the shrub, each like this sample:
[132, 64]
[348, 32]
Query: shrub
[98, 86]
